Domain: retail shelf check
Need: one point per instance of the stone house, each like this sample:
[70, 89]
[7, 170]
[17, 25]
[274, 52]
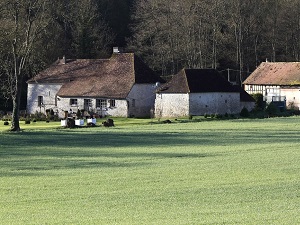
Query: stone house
[121, 86]
[278, 82]
[200, 92]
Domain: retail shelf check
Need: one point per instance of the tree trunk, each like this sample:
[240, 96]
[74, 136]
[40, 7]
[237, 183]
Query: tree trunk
[15, 124]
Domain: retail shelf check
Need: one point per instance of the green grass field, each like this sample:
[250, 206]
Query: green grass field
[214, 172]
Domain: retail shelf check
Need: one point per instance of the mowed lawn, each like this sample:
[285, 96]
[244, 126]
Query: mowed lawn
[213, 172]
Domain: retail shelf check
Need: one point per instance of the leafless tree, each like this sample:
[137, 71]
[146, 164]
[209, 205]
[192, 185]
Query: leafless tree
[21, 23]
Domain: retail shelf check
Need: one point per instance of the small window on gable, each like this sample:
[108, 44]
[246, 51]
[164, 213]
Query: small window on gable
[133, 103]
[73, 102]
[112, 103]
[225, 101]
[40, 101]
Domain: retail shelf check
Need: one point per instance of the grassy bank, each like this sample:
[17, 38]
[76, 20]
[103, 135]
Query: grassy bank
[216, 172]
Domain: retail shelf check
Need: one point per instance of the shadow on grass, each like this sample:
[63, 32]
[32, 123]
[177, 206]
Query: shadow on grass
[31, 153]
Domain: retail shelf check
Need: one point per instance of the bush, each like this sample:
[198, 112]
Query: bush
[27, 121]
[6, 123]
[205, 115]
[244, 113]
[259, 101]
[272, 109]
[218, 116]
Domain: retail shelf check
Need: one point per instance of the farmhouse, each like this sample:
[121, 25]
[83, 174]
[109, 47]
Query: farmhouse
[199, 92]
[278, 82]
[122, 86]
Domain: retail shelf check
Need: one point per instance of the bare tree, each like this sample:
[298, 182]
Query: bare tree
[20, 25]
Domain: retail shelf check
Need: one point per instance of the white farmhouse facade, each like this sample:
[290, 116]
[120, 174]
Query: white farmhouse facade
[121, 86]
[278, 82]
[199, 92]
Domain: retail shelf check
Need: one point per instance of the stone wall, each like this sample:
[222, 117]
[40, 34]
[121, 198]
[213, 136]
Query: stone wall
[171, 105]
[48, 94]
[141, 100]
[214, 103]
[178, 105]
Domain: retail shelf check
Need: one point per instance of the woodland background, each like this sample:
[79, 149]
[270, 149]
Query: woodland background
[232, 36]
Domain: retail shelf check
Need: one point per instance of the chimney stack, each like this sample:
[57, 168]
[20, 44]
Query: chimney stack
[63, 61]
[117, 50]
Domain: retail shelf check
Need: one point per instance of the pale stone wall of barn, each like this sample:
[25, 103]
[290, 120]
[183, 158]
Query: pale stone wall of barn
[171, 105]
[177, 105]
[141, 100]
[48, 94]
[212, 103]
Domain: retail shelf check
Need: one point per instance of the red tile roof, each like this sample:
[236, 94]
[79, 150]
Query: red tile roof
[275, 73]
[108, 78]
[197, 81]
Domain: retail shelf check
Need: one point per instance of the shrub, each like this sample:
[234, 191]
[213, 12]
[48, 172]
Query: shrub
[27, 121]
[205, 115]
[212, 115]
[218, 116]
[259, 101]
[6, 123]
[244, 112]
[272, 109]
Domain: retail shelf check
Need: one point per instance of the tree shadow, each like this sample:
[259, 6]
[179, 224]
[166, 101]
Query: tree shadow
[33, 153]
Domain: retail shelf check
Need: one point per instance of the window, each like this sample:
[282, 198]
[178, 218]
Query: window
[40, 101]
[101, 103]
[133, 103]
[87, 104]
[112, 103]
[73, 101]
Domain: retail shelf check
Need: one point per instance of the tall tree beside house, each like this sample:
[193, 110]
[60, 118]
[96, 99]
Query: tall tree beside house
[21, 23]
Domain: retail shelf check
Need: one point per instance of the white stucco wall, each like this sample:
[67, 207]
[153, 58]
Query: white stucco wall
[292, 96]
[268, 91]
[47, 91]
[171, 105]
[141, 100]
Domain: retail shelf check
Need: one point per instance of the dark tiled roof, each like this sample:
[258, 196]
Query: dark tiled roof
[279, 73]
[110, 78]
[197, 81]
[244, 96]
